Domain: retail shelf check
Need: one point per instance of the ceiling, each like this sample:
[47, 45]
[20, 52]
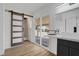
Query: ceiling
[27, 8]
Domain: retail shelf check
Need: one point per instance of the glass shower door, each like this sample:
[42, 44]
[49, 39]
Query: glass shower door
[45, 30]
[37, 30]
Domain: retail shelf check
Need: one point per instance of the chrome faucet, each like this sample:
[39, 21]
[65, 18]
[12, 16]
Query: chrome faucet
[55, 31]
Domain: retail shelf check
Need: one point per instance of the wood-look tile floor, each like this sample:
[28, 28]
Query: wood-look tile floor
[28, 49]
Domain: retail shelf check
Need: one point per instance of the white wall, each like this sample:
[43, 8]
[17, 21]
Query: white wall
[60, 23]
[67, 20]
[1, 30]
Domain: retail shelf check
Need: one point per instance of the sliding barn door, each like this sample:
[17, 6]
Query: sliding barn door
[16, 28]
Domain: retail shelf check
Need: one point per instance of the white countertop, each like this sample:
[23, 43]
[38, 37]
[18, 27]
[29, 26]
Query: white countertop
[68, 36]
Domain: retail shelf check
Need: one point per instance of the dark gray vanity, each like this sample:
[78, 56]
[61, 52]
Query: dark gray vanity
[67, 47]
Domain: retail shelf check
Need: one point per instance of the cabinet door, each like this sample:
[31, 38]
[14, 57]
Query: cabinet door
[62, 50]
[53, 44]
[74, 52]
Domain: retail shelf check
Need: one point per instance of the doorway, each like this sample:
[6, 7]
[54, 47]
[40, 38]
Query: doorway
[25, 23]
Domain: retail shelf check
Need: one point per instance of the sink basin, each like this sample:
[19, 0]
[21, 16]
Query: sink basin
[52, 34]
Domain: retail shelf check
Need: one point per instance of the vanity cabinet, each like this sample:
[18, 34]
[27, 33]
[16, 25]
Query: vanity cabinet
[62, 50]
[67, 48]
[74, 52]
